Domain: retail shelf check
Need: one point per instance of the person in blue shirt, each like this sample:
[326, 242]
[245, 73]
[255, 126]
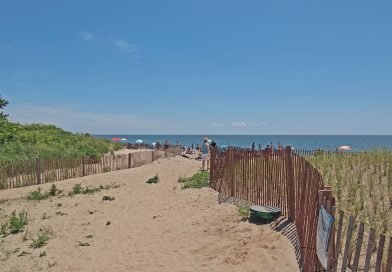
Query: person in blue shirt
[205, 154]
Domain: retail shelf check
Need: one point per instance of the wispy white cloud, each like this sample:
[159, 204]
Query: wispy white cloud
[242, 124]
[23, 75]
[21, 85]
[121, 45]
[215, 124]
[86, 36]
[81, 121]
[239, 124]
[125, 46]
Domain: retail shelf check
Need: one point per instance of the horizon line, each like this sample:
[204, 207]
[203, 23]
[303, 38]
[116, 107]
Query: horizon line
[202, 134]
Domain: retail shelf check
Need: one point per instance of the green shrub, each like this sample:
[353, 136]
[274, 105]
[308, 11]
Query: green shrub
[76, 189]
[53, 191]
[20, 142]
[37, 195]
[198, 180]
[40, 195]
[18, 222]
[117, 146]
[41, 240]
[154, 179]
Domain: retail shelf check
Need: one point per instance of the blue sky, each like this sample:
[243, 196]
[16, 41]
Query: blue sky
[194, 67]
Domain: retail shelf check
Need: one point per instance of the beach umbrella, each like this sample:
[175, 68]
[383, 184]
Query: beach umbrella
[139, 141]
[345, 147]
[116, 139]
[124, 139]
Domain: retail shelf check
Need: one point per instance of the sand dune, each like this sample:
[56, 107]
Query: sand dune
[148, 227]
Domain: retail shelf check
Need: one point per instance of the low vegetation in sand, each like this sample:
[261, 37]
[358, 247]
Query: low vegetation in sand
[108, 198]
[244, 212]
[78, 189]
[14, 224]
[153, 180]
[198, 180]
[83, 244]
[42, 238]
[38, 194]
[361, 184]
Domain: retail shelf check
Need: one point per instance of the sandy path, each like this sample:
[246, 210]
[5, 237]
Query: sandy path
[156, 227]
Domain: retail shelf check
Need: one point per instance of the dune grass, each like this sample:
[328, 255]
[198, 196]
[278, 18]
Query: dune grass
[361, 184]
[198, 180]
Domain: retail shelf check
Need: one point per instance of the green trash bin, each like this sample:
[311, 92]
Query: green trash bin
[264, 213]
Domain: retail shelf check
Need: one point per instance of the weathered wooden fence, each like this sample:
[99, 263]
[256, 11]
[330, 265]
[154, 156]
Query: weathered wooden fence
[286, 180]
[43, 170]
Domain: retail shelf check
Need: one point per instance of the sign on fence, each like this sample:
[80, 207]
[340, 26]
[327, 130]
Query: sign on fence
[324, 227]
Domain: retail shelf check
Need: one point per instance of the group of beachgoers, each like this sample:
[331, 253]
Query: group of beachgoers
[202, 151]
[272, 148]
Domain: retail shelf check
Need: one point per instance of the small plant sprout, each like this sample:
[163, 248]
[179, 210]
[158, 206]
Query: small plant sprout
[244, 212]
[153, 180]
[42, 239]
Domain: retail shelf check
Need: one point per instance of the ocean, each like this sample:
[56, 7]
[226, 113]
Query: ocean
[326, 142]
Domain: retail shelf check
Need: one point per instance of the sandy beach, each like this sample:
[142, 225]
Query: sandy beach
[147, 227]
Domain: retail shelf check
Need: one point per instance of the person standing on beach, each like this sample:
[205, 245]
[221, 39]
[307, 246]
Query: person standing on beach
[205, 154]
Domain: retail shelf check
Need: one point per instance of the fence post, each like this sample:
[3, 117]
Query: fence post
[38, 170]
[152, 156]
[231, 171]
[290, 184]
[129, 160]
[327, 193]
[212, 167]
[83, 167]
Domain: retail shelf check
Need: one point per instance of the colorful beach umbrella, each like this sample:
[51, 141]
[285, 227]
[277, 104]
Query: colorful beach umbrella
[344, 147]
[116, 139]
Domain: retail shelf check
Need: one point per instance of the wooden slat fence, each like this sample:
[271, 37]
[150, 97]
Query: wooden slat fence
[15, 174]
[356, 247]
[286, 180]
